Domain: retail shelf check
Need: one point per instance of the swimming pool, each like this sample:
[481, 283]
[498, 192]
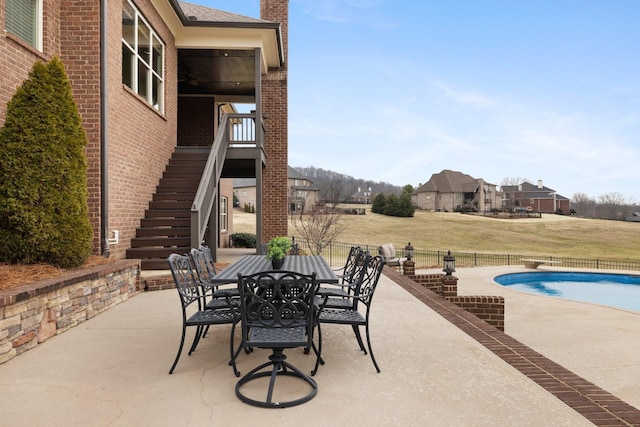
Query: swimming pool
[616, 290]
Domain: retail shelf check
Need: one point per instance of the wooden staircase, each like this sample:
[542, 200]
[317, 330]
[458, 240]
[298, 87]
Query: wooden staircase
[166, 226]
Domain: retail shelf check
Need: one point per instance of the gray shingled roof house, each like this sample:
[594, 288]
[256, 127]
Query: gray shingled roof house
[452, 190]
[303, 193]
[536, 198]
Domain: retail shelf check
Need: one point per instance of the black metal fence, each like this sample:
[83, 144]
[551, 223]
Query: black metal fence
[336, 253]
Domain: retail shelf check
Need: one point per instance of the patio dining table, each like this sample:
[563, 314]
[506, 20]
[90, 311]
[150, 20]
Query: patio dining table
[250, 264]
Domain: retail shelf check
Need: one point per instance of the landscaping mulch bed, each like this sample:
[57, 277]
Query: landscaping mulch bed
[14, 275]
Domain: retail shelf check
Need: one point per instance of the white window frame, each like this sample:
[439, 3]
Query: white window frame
[149, 75]
[224, 214]
[37, 31]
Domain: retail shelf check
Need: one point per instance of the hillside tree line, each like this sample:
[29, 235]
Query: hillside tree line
[338, 188]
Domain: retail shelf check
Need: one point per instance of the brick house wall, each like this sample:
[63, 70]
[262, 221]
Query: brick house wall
[79, 33]
[193, 114]
[143, 139]
[274, 105]
[140, 140]
[17, 57]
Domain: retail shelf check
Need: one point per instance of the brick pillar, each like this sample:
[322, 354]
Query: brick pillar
[449, 286]
[274, 106]
[409, 268]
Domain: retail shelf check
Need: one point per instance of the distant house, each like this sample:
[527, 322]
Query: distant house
[244, 190]
[453, 191]
[363, 196]
[303, 195]
[634, 217]
[536, 198]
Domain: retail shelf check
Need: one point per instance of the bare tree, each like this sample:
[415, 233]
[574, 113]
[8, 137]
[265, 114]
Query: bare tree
[513, 181]
[612, 205]
[318, 228]
[335, 191]
[583, 204]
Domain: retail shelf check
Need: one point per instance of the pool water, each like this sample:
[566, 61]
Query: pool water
[616, 290]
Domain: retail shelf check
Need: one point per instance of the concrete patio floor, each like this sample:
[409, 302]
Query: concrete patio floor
[113, 369]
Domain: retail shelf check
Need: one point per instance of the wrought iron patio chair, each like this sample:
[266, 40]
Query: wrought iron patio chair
[191, 293]
[364, 289]
[206, 271]
[347, 270]
[338, 294]
[278, 312]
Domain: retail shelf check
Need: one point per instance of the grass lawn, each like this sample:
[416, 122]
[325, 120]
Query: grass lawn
[551, 235]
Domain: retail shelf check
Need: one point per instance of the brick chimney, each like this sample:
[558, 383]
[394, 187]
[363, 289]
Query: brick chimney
[274, 105]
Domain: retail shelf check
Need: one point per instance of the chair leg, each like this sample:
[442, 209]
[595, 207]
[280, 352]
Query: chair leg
[373, 359]
[234, 352]
[279, 367]
[318, 350]
[356, 330]
[196, 339]
[175, 362]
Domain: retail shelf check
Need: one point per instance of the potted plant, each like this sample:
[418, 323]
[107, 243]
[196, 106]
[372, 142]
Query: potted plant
[277, 248]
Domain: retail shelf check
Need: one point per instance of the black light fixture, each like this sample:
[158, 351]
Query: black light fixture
[408, 251]
[449, 263]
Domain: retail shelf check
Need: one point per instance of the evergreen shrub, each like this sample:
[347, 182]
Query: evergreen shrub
[43, 185]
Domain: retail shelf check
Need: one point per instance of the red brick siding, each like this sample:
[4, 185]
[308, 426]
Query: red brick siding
[80, 53]
[488, 308]
[140, 140]
[196, 118]
[274, 104]
[17, 57]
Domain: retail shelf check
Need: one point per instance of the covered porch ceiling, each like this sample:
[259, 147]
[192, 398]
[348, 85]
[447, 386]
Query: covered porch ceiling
[221, 72]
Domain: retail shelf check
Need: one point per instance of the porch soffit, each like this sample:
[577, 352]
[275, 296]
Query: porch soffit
[245, 34]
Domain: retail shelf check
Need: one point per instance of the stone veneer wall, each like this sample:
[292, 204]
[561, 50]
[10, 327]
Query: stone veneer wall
[32, 313]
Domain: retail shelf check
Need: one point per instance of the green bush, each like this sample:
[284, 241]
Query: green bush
[43, 185]
[378, 204]
[243, 240]
[278, 247]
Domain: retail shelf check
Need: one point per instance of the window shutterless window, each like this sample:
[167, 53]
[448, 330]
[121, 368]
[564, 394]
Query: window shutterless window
[224, 224]
[24, 19]
[142, 57]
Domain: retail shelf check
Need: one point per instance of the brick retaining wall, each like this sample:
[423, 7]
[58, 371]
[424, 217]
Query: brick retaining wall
[488, 308]
[32, 313]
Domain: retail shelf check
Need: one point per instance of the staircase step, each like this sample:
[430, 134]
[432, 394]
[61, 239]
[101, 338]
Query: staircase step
[188, 182]
[157, 253]
[163, 231]
[154, 264]
[165, 222]
[160, 242]
[183, 197]
[168, 205]
[166, 227]
[167, 213]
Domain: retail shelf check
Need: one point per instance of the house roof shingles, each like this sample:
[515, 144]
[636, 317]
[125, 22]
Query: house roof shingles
[531, 191]
[207, 14]
[449, 181]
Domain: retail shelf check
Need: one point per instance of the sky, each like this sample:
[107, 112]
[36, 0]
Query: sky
[397, 90]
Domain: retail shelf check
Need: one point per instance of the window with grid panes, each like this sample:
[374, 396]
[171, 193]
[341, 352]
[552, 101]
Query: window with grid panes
[223, 214]
[24, 19]
[142, 57]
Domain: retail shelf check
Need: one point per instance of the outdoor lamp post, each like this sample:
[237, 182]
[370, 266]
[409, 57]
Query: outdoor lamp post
[449, 263]
[408, 251]
[408, 266]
